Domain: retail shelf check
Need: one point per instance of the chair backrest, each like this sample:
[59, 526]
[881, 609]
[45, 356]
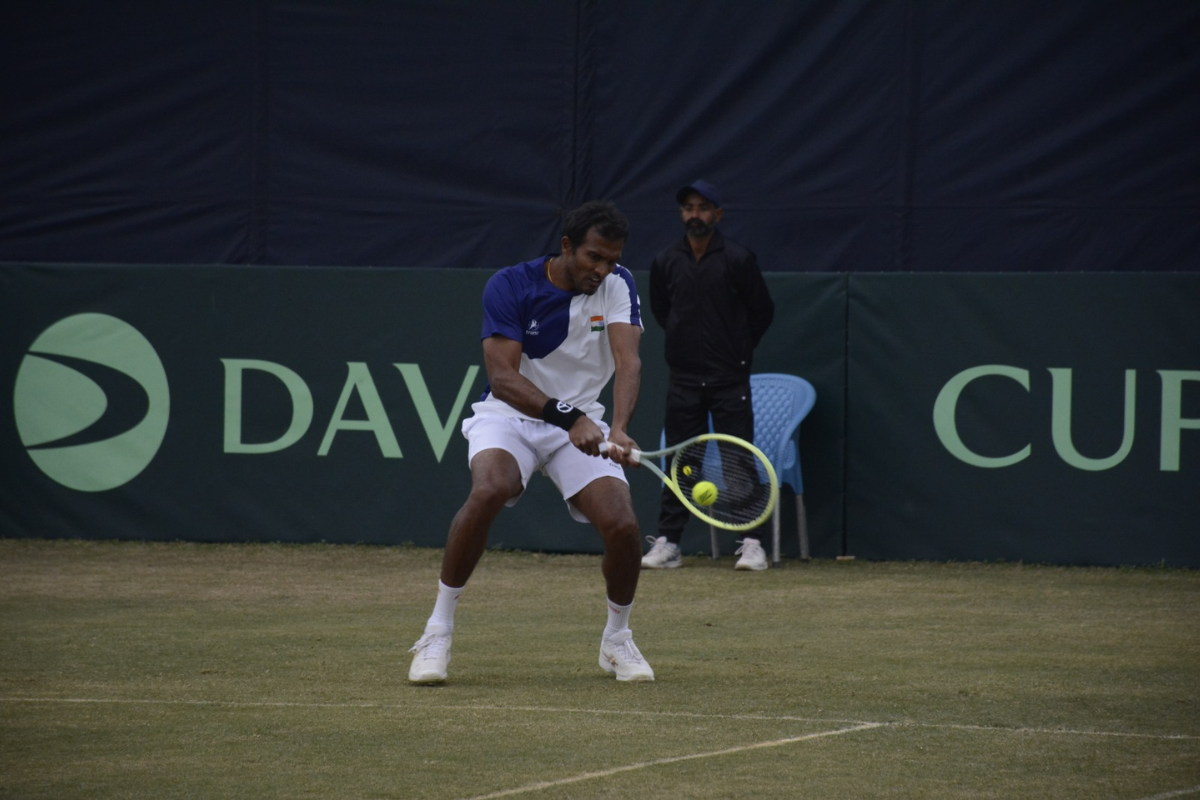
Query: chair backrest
[781, 402]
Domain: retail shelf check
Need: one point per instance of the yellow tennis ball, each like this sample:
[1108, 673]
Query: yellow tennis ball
[704, 493]
[687, 470]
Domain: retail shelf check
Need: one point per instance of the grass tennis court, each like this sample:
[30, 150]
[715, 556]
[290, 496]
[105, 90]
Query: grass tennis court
[278, 671]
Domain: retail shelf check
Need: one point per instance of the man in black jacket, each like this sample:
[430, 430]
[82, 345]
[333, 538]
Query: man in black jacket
[709, 296]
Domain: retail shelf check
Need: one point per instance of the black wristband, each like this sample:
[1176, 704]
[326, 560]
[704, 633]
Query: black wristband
[560, 413]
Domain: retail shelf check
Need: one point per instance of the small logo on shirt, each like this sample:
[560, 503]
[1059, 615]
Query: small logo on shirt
[597, 324]
[532, 330]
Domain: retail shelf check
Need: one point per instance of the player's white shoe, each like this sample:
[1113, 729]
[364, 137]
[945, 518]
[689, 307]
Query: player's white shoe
[752, 555]
[431, 656]
[662, 554]
[620, 656]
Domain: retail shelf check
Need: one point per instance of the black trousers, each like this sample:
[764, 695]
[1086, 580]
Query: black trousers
[688, 408]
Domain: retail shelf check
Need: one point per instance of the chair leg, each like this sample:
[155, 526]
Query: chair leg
[716, 546]
[802, 527]
[775, 535]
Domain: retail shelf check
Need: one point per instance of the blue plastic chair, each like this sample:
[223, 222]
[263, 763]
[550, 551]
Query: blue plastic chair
[781, 402]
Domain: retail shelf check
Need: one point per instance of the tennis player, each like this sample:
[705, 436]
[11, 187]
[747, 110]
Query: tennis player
[555, 331]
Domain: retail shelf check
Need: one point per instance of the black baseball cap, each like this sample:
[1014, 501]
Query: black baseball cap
[702, 188]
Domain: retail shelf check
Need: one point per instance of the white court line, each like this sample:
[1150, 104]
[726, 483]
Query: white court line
[1176, 793]
[422, 706]
[1048, 731]
[686, 714]
[857, 725]
[604, 773]
[600, 711]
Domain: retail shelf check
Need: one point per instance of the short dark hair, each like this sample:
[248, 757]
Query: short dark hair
[602, 215]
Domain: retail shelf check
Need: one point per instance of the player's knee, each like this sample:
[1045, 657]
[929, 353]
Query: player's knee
[493, 494]
[622, 531]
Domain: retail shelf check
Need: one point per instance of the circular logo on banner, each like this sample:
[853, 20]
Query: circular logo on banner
[91, 402]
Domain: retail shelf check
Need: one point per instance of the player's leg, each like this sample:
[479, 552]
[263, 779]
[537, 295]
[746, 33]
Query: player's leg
[607, 503]
[501, 463]
[502, 460]
[495, 480]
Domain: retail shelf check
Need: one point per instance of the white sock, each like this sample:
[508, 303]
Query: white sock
[443, 609]
[618, 618]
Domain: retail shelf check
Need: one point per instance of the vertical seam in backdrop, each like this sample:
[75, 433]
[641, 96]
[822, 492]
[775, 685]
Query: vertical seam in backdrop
[909, 102]
[256, 246]
[845, 411]
[583, 111]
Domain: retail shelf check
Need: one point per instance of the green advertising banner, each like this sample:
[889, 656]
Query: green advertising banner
[1047, 417]
[305, 405]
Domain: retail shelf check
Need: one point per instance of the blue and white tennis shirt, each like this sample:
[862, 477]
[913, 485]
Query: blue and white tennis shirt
[564, 335]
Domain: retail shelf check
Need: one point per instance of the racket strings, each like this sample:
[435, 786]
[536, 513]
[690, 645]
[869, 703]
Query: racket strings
[744, 491]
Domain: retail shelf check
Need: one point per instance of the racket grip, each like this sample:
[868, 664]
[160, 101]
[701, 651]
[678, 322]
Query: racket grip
[635, 454]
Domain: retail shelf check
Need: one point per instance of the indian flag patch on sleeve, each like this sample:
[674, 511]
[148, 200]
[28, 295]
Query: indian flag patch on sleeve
[597, 323]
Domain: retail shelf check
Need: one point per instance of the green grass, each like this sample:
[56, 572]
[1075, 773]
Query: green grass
[265, 671]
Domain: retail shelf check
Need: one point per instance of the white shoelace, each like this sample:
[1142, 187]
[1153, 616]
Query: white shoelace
[431, 645]
[748, 547]
[661, 546]
[626, 648]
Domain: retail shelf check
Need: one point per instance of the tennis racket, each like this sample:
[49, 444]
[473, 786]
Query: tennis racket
[723, 480]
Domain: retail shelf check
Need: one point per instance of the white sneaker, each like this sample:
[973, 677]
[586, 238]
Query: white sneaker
[432, 656]
[752, 555]
[620, 656]
[662, 555]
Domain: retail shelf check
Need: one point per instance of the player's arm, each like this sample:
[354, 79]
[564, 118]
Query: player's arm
[625, 339]
[502, 360]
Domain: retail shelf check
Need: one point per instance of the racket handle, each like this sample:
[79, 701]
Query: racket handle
[635, 454]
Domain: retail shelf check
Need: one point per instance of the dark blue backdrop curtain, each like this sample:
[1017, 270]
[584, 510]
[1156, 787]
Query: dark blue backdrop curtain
[846, 135]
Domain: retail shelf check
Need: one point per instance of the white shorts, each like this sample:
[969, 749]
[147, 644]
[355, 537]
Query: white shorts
[540, 446]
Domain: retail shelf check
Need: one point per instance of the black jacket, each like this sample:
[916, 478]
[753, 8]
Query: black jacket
[714, 311]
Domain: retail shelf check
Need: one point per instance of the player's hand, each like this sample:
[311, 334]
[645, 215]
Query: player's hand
[622, 447]
[586, 436]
